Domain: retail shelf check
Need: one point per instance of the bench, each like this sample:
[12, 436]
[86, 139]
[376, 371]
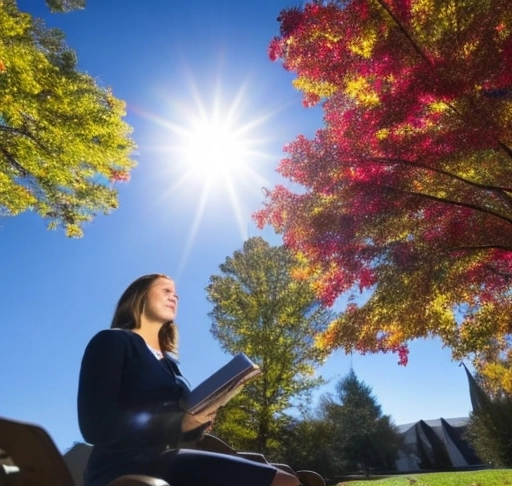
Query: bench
[31, 458]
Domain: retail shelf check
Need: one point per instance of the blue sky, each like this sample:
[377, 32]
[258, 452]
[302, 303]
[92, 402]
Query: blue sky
[175, 64]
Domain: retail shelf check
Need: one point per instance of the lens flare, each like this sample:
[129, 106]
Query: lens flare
[213, 151]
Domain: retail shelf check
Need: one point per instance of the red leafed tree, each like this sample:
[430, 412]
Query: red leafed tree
[405, 193]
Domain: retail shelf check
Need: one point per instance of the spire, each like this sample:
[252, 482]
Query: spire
[478, 397]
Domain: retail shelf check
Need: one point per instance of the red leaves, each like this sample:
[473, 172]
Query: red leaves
[403, 355]
[119, 176]
[275, 49]
[410, 178]
[290, 19]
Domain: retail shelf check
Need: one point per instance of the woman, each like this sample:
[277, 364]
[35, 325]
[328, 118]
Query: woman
[128, 401]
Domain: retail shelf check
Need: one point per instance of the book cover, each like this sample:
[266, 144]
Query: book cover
[222, 385]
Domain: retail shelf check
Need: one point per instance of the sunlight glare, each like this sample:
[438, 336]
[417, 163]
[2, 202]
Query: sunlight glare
[214, 150]
[213, 153]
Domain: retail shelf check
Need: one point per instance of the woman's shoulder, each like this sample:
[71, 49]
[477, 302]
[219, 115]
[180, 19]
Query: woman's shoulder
[113, 337]
[112, 344]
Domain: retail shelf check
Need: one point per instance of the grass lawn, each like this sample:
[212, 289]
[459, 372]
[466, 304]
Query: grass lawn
[488, 477]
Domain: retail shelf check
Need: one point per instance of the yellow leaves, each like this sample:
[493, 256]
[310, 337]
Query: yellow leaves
[301, 271]
[328, 340]
[430, 122]
[424, 7]
[63, 135]
[74, 231]
[498, 376]
[427, 10]
[325, 33]
[440, 311]
[469, 48]
[383, 133]
[437, 22]
[12, 22]
[363, 46]
[321, 88]
[360, 89]
[13, 197]
[438, 106]
[403, 307]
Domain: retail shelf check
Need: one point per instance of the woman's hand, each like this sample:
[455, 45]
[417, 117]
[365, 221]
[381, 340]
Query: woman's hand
[191, 422]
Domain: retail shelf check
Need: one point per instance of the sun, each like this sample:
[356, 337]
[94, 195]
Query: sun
[213, 151]
[216, 144]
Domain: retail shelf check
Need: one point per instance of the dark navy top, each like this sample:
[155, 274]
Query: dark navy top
[128, 408]
[127, 405]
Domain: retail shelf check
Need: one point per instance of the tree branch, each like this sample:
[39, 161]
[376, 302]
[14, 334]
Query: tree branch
[482, 248]
[423, 56]
[506, 148]
[25, 133]
[14, 163]
[413, 43]
[444, 172]
[452, 203]
[499, 191]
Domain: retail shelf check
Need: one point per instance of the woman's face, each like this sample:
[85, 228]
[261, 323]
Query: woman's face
[161, 302]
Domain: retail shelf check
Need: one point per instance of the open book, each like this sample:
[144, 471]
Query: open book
[221, 386]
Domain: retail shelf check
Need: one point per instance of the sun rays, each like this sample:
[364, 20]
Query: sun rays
[211, 153]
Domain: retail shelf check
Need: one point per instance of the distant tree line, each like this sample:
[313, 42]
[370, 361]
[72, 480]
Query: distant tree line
[346, 434]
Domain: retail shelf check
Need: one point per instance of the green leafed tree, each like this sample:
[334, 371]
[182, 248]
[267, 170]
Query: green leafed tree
[363, 438]
[406, 191]
[63, 142]
[65, 5]
[261, 310]
[307, 444]
[489, 429]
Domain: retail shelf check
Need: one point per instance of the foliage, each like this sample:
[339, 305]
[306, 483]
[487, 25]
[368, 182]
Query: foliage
[242, 424]
[63, 143]
[405, 193]
[495, 371]
[465, 478]
[236, 424]
[259, 309]
[489, 430]
[363, 438]
[307, 444]
[65, 5]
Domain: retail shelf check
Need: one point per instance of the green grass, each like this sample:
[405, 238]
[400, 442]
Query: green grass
[488, 477]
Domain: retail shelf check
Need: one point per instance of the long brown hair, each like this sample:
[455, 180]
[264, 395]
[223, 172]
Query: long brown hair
[130, 306]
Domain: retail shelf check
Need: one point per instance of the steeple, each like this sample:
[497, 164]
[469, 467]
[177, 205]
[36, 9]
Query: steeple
[478, 397]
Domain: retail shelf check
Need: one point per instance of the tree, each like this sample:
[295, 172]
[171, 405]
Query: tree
[259, 309]
[406, 191]
[65, 5]
[307, 445]
[63, 143]
[363, 438]
[489, 431]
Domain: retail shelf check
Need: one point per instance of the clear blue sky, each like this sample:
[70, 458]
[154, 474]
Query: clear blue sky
[174, 63]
